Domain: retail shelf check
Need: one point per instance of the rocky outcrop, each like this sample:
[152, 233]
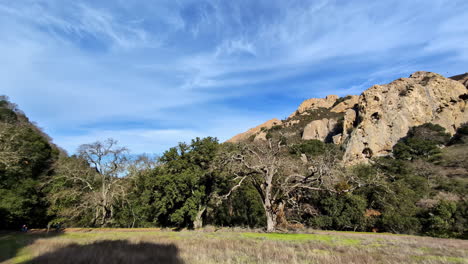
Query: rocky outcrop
[372, 123]
[291, 122]
[338, 139]
[319, 129]
[315, 103]
[346, 104]
[349, 121]
[463, 78]
[348, 124]
[254, 131]
[386, 112]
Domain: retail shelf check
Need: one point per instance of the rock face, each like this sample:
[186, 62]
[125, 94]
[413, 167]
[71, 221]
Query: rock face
[315, 103]
[349, 120]
[291, 123]
[319, 129]
[348, 124]
[254, 131]
[370, 125]
[346, 104]
[386, 112]
[463, 78]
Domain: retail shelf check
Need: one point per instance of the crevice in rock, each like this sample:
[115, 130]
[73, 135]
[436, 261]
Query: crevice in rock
[408, 89]
[367, 152]
[375, 116]
[337, 129]
[358, 118]
[425, 80]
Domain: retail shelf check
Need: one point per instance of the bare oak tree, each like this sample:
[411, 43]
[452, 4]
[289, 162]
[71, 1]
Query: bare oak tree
[110, 163]
[74, 190]
[96, 177]
[276, 174]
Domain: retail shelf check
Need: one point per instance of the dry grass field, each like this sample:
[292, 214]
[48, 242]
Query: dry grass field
[224, 246]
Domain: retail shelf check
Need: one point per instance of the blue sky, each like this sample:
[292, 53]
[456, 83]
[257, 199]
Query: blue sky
[153, 73]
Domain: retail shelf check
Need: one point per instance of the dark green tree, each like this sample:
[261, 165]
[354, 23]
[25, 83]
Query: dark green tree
[181, 189]
[422, 142]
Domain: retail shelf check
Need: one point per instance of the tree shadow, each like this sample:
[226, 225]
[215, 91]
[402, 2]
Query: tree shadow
[112, 251]
[12, 242]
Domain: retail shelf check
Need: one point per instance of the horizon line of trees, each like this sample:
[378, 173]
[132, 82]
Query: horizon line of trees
[272, 184]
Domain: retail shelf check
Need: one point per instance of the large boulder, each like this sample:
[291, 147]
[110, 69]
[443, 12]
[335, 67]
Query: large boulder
[319, 129]
[386, 112]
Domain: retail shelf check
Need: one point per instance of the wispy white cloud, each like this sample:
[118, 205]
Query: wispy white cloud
[197, 68]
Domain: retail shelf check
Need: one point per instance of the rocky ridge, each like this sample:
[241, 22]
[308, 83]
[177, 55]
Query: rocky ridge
[463, 78]
[370, 124]
[315, 103]
[256, 131]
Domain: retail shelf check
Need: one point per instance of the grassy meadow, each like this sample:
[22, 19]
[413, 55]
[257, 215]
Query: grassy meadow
[224, 246]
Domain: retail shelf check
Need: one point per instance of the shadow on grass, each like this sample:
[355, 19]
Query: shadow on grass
[13, 242]
[112, 251]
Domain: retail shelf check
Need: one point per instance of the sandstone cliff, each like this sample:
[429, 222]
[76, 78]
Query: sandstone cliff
[386, 112]
[370, 125]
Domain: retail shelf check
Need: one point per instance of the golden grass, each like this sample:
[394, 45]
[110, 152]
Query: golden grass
[223, 246]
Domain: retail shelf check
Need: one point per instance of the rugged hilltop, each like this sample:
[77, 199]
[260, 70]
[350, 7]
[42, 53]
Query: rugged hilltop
[370, 124]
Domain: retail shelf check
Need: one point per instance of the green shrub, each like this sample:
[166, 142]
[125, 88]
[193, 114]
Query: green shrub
[440, 219]
[340, 212]
[341, 99]
[311, 147]
[276, 127]
[421, 142]
[461, 136]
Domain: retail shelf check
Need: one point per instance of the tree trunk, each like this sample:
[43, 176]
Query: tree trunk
[103, 219]
[281, 217]
[271, 220]
[198, 222]
[96, 217]
[105, 216]
[268, 203]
